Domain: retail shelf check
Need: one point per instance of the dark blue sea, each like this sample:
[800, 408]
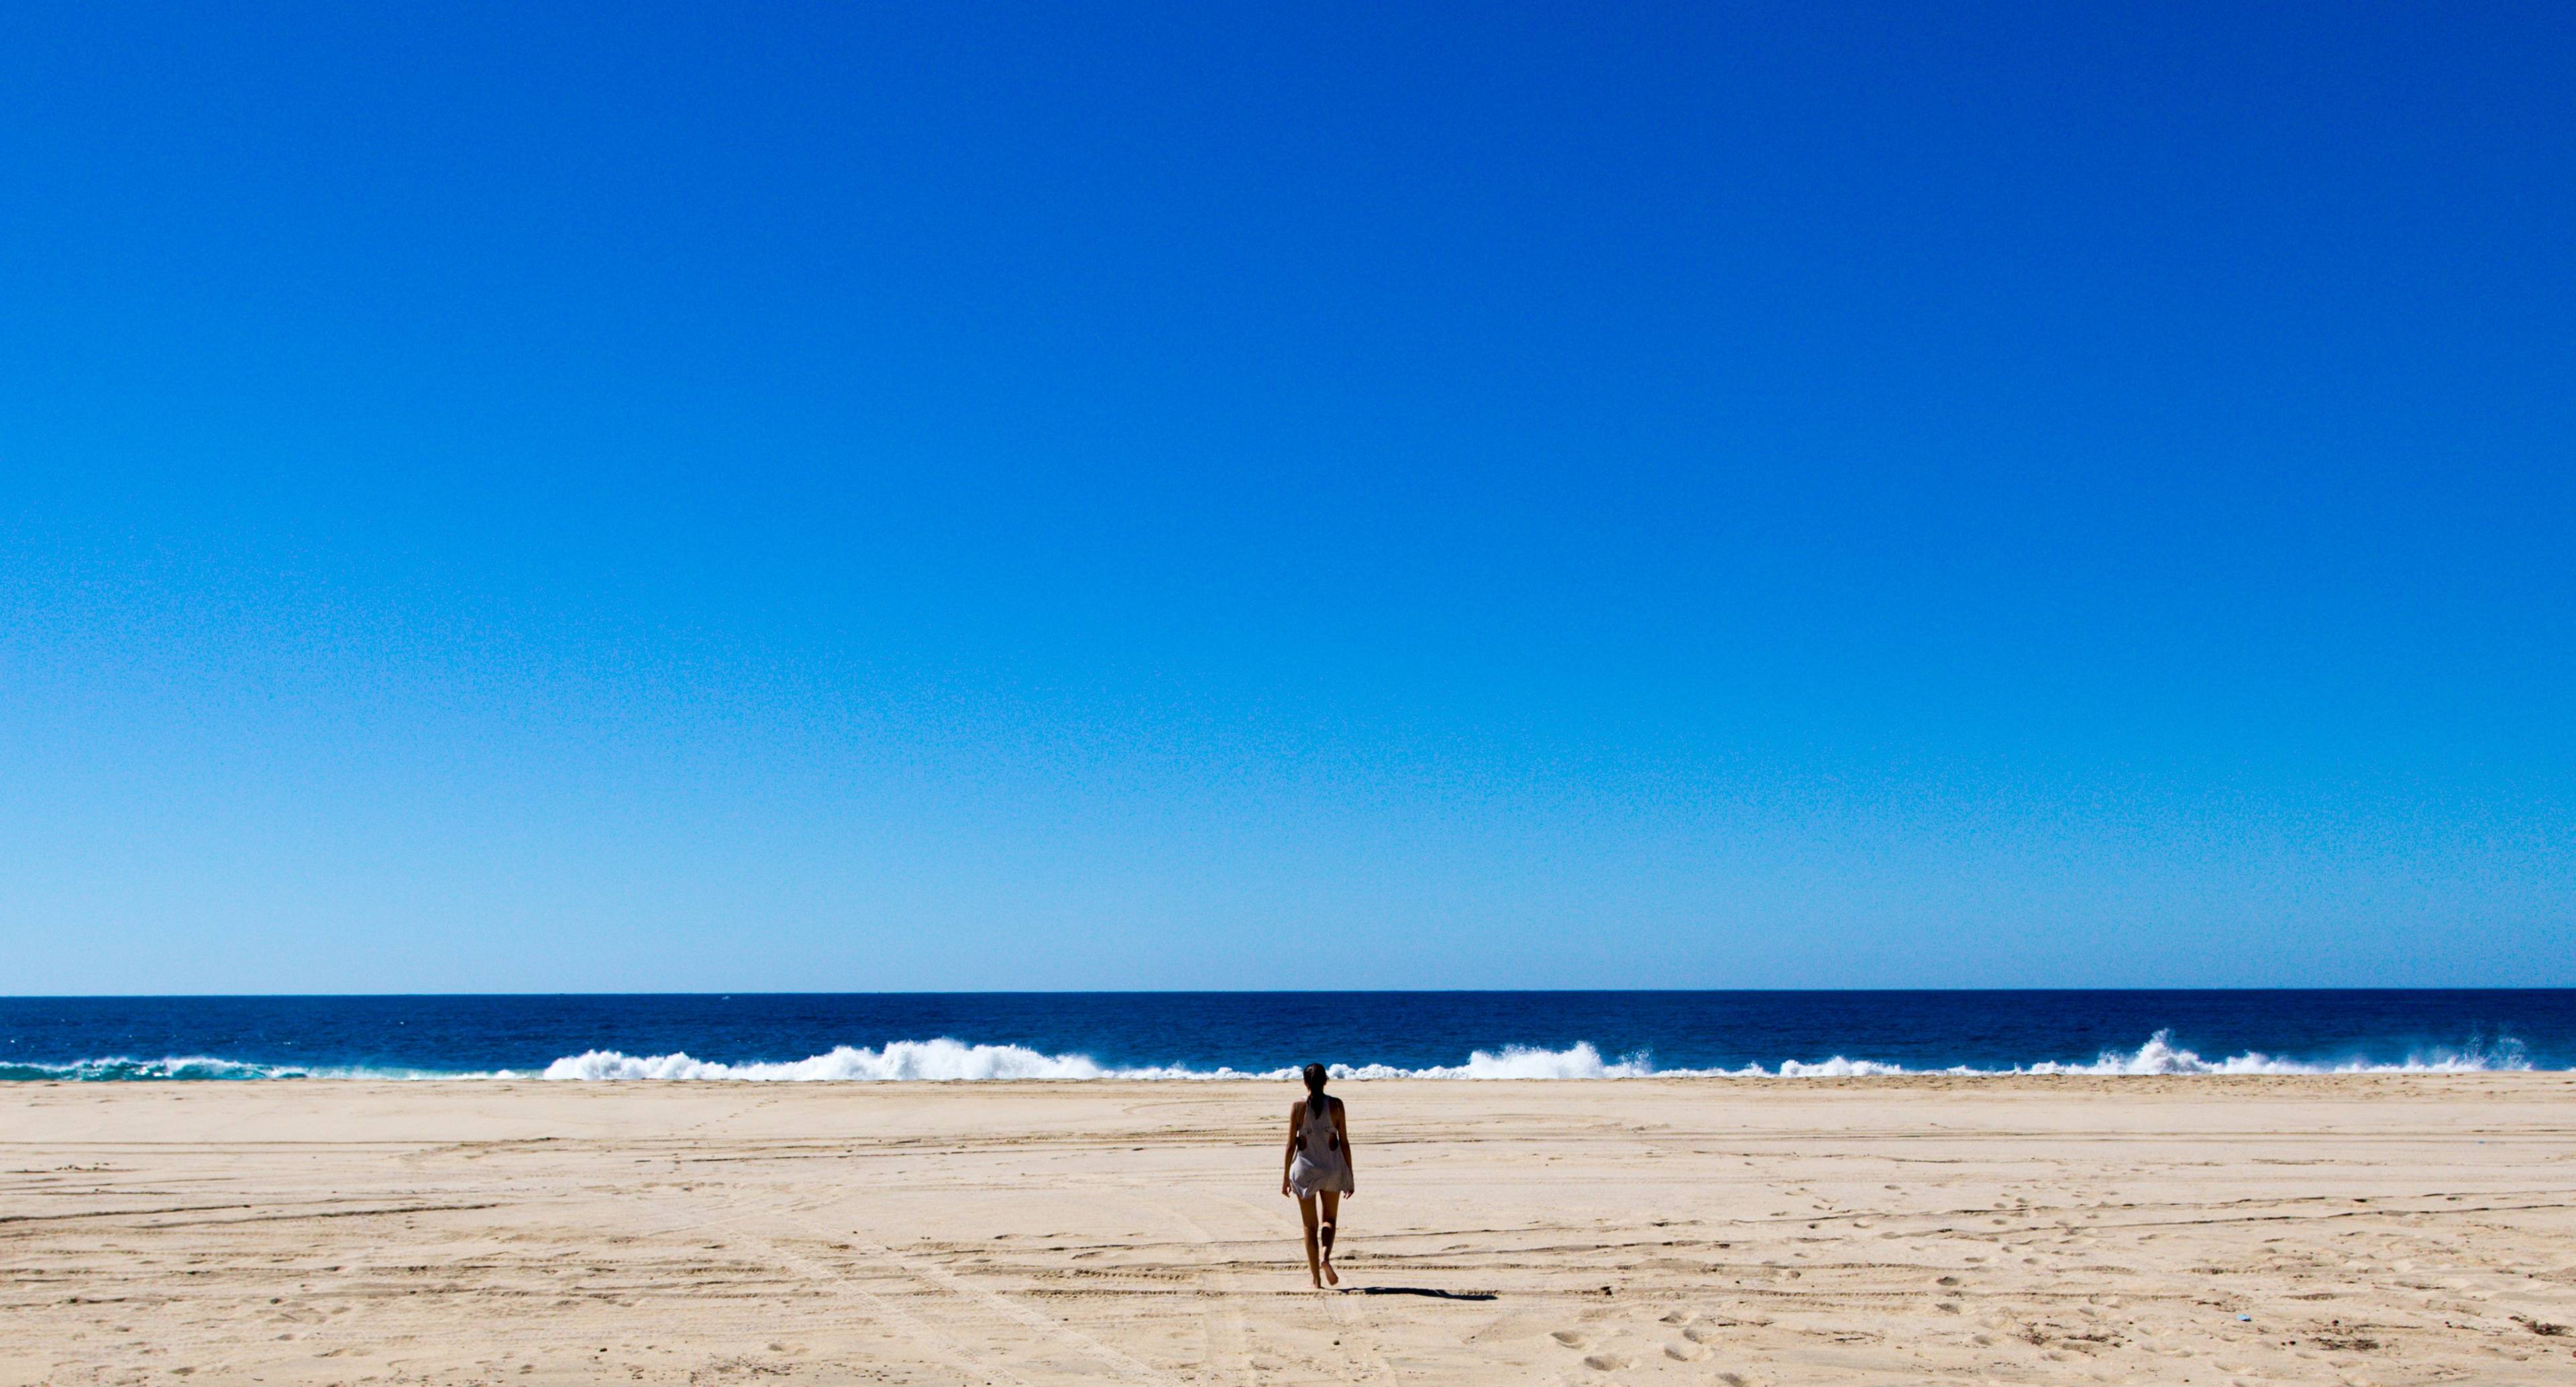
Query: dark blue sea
[1571, 1035]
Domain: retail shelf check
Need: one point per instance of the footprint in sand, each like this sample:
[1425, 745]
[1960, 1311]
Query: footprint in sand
[1571, 1338]
[1701, 1334]
[1608, 1362]
[1685, 1353]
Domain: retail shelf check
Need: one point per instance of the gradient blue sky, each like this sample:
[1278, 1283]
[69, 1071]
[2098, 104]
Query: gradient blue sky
[525, 497]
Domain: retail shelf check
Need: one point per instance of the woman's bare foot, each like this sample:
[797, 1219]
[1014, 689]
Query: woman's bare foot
[1331, 1275]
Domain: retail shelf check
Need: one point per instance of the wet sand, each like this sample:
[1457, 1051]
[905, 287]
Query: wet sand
[2385, 1229]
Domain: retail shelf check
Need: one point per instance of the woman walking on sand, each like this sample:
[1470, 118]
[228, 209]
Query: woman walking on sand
[1318, 1167]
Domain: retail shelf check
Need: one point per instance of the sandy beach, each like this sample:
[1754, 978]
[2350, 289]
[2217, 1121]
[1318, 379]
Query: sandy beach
[2341, 1229]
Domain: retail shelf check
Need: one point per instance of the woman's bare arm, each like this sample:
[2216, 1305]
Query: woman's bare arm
[1342, 1125]
[1288, 1157]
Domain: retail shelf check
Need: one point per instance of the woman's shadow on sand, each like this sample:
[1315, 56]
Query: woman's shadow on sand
[1425, 1291]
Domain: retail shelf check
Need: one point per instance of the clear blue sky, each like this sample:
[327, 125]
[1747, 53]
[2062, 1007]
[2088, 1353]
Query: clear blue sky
[836, 497]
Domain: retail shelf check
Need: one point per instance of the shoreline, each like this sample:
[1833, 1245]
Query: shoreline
[1937, 1079]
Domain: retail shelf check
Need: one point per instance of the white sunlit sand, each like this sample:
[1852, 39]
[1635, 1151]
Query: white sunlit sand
[2204, 1230]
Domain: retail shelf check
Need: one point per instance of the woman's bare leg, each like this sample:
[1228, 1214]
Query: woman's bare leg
[1332, 1212]
[1314, 1262]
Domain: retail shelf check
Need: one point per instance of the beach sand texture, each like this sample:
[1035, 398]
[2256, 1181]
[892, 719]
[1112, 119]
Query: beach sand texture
[2339, 1229]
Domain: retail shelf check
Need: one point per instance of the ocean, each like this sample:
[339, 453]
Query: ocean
[1187, 1035]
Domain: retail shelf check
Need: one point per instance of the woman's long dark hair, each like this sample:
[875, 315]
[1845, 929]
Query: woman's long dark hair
[1315, 1089]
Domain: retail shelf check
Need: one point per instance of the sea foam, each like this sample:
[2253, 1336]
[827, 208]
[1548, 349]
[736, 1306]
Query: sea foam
[914, 1060]
[948, 1060]
[2161, 1056]
[119, 1068]
[197, 1068]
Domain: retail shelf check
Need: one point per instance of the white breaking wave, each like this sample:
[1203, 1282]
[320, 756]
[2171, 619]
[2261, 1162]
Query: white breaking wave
[2161, 1056]
[949, 1061]
[123, 1069]
[115, 1068]
[946, 1060]
[1841, 1068]
[914, 1060]
[1580, 1061]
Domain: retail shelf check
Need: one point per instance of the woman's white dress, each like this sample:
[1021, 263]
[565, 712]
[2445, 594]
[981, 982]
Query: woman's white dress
[1320, 1162]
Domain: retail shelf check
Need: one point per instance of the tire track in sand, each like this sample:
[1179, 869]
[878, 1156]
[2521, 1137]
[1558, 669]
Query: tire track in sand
[742, 1210]
[941, 1278]
[1370, 1355]
[1234, 1353]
